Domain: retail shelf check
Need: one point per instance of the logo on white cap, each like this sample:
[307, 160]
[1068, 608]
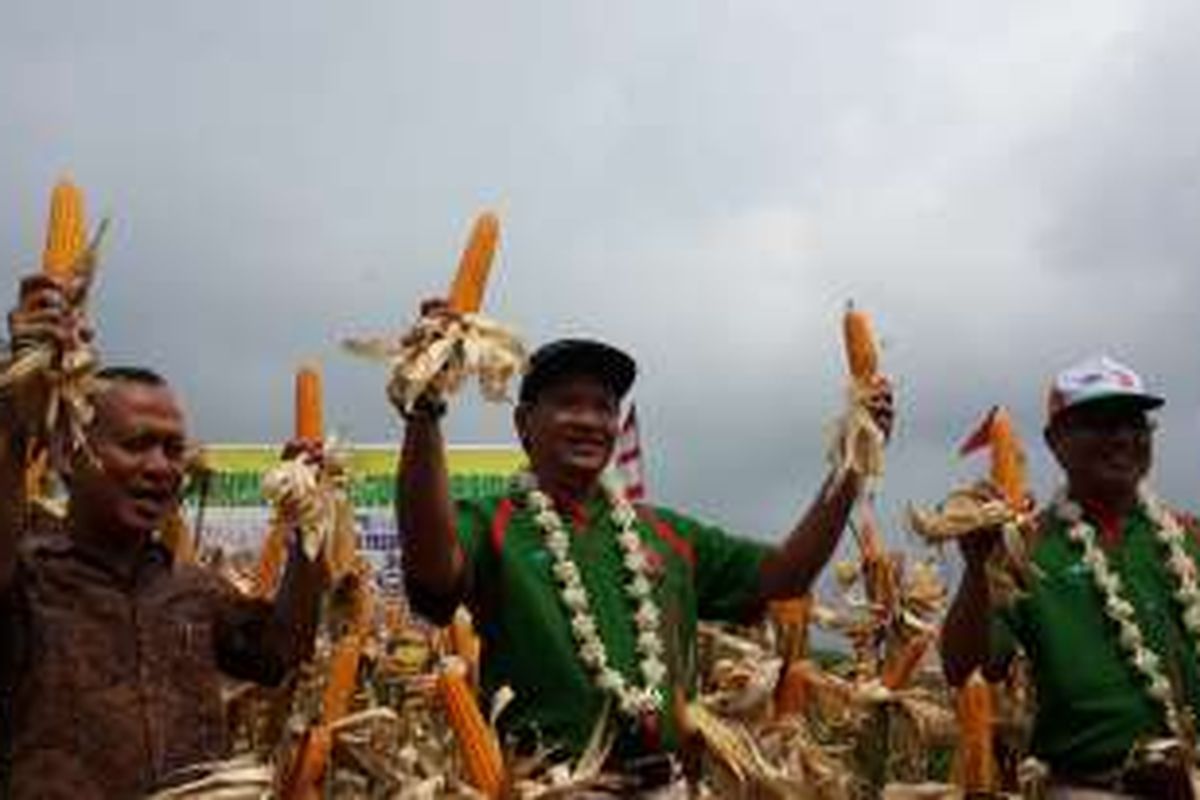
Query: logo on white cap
[1097, 378]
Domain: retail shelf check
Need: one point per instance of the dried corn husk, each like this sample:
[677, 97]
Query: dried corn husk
[444, 348]
[969, 511]
[964, 511]
[856, 444]
[441, 352]
[315, 499]
[59, 378]
[242, 778]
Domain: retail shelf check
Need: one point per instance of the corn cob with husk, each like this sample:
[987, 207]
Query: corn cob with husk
[59, 379]
[463, 642]
[791, 618]
[1003, 504]
[968, 510]
[443, 349]
[899, 670]
[466, 293]
[482, 758]
[857, 443]
[310, 423]
[975, 762]
[314, 498]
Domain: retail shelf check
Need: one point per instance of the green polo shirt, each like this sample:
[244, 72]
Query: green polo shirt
[1092, 704]
[698, 571]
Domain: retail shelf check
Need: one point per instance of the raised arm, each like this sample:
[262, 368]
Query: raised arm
[434, 564]
[261, 640]
[264, 640]
[39, 318]
[293, 621]
[793, 568]
[966, 631]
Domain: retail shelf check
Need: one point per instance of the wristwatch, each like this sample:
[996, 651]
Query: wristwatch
[427, 406]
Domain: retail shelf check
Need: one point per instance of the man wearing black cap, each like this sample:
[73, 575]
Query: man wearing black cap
[1111, 622]
[584, 601]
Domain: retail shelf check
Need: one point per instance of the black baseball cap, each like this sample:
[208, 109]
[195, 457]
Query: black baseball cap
[562, 357]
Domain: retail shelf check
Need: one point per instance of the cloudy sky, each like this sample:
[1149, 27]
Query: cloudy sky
[1006, 187]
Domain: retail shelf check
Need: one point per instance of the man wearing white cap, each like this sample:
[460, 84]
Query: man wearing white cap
[1111, 621]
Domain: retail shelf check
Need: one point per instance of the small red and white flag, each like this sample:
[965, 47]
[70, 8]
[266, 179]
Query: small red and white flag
[629, 457]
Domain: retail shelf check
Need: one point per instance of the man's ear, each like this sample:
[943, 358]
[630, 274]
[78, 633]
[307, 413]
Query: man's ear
[1053, 436]
[521, 415]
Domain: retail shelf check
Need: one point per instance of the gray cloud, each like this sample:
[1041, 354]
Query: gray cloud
[1006, 187]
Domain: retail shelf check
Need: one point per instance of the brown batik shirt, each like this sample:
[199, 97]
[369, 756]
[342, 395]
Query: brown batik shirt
[110, 681]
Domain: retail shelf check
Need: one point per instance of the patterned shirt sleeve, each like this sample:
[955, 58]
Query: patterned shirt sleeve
[240, 630]
[727, 568]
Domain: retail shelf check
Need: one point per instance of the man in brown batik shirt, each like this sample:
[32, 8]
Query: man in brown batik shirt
[110, 653]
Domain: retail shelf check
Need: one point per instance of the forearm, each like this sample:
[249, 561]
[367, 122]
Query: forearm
[293, 621]
[793, 568]
[433, 559]
[966, 631]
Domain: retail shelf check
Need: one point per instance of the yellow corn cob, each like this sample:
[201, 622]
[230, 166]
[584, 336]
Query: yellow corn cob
[466, 293]
[341, 548]
[1008, 460]
[303, 780]
[270, 559]
[975, 762]
[362, 614]
[394, 618]
[343, 677]
[793, 690]
[309, 422]
[463, 640]
[791, 617]
[791, 611]
[900, 669]
[862, 357]
[66, 232]
[481, 755]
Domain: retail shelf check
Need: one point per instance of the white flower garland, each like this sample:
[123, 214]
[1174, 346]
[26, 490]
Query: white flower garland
[1121, 611]
[633, 701]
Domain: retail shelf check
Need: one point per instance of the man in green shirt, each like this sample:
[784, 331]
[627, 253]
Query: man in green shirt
[1108, 623]
[583, 601]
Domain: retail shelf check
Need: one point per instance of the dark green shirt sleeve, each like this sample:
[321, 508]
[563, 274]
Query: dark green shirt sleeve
[727, 567]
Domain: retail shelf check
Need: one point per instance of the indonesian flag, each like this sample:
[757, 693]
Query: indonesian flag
[629, 457]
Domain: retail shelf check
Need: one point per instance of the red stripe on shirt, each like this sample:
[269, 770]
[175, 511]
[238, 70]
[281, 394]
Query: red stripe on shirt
[504, 511]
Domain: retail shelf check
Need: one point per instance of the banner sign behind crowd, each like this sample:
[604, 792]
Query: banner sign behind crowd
[236, 516]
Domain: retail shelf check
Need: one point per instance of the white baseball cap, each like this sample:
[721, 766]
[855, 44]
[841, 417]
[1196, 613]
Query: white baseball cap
[1098, 378]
